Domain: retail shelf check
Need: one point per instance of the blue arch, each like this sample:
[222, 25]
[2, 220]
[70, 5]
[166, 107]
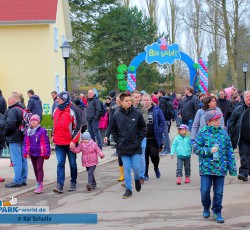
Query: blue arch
[184, 57]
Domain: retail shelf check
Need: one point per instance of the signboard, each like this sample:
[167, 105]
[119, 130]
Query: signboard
[162, 53]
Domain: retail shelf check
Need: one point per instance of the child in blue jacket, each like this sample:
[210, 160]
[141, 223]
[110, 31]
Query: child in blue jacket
[216, 158]
[182, 147]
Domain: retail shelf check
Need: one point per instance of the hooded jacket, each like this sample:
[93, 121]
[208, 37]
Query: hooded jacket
[240, 114]
[37, 145]
[128, 129]
[205, 140]
[13, 117]
[35, 106]
[90, 152]
[67, 125]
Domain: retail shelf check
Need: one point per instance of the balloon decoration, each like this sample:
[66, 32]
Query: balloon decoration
[131, 80]
[124, 71]
[202, 83]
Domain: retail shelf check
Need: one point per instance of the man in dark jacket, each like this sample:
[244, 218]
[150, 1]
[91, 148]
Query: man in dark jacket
[166, 105]
[129, 129]
[239, 132]
[223, 103]
[35, 104]
[3, 105]
[188, 107]
[14, 138]
[93, 117]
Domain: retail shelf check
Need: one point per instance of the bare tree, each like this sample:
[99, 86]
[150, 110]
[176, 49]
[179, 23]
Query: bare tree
[152, 8]
[172, 23]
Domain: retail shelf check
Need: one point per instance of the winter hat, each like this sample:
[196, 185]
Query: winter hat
[86, 136]
[212, 115]
[182, 126]
[35, 117]
[112, 93]
[64, 96]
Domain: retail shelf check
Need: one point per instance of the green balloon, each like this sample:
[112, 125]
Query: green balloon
[120, 76]
[196, 66]
[131, 68]
[122, 85]
[122, 68]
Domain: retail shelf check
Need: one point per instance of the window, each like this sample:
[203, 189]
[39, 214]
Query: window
[57, 83]
[56, 45]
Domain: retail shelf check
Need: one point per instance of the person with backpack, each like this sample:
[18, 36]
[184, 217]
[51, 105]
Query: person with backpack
[35, 104]
[14, 138]
[188, 107]
[167, 108]
[93, 117]
[66, 133]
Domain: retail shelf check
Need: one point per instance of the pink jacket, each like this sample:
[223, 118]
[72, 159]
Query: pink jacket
[90, 152]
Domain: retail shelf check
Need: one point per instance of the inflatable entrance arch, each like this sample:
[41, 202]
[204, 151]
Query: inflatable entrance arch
[163, 53]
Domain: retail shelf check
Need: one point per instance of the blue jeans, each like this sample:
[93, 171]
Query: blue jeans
[189, 123]
[61, 152]
[165, 136]
[93, 128]
[187, 166]
[142, 158]
[218, 185]
[20, 164]
[128, 163]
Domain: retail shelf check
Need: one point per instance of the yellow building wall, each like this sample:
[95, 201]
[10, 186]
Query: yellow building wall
[28, 59]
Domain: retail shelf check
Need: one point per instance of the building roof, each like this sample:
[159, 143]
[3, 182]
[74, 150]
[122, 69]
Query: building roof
[28, 11]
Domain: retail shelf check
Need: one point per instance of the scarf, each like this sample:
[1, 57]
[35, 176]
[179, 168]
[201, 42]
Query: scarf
[32, 131]
[64, 105]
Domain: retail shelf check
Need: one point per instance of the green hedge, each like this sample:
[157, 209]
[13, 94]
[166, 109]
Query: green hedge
[47, 121]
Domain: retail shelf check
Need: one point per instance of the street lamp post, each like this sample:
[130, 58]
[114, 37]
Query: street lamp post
[244, 69]
[66, 48]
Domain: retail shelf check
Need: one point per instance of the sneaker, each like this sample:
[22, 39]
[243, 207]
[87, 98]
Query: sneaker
[24, 184]
[1, 179]
[72, 187]
[206, 213]
[218, 218]
[146, 177]
[94, 186]
[127, 194]
[178, 181]
[89, 187]
[11, 164]
[39, 188]
[58, 189]
[187, 180]
[12, 185]
[242, 177]
[138, 185]
[157, 173]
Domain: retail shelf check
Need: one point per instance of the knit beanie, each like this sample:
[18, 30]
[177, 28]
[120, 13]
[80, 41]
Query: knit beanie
[64, 96]
[86, 136]
[35, 117]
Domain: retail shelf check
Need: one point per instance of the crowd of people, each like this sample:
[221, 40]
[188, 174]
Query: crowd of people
[210, 125]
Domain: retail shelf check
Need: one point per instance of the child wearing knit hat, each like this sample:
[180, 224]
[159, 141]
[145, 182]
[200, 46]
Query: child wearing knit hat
[90, 152]
[37, 146]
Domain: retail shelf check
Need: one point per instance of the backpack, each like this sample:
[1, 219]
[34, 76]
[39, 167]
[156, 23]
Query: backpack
[103, 110]
[167, 109]
[26, 115]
